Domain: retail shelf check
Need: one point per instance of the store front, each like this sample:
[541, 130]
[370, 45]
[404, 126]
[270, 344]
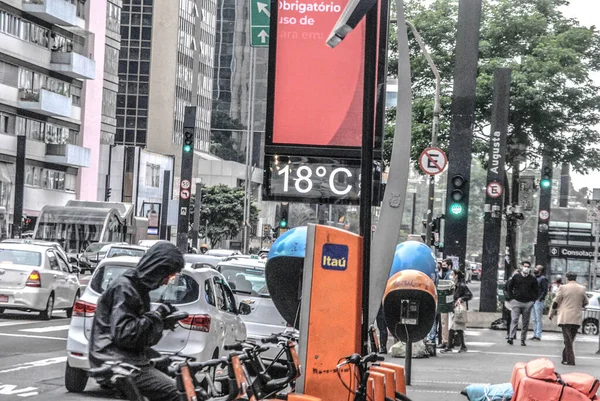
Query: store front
[578, 259]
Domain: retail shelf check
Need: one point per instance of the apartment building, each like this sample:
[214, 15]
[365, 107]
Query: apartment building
[51, 65]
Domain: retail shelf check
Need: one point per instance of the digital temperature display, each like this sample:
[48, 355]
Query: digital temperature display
[313, 180]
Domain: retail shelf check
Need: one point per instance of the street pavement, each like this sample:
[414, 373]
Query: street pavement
[32, 361]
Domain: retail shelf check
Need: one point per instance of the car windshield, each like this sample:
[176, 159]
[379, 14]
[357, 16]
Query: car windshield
[105, 275]
[94, 248]
[19, 257]
[123, 251]
[176, 289]
[247, 279]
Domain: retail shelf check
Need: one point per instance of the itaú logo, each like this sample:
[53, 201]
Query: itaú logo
[335, 257]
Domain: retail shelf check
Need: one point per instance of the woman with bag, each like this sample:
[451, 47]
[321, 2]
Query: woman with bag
[458, 325]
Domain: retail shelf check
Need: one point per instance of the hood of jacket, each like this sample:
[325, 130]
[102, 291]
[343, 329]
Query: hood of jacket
[161, 261]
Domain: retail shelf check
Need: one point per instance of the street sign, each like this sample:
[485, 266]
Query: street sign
[260, 16]
[184, 194]
[544, 215]
[494, 190]
[433, 161]
[185, 184]
[593, 212]
[183, 211]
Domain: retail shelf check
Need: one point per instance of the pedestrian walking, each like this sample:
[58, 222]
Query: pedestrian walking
[523, 290]
[570, 300]
[446, 275]
[462, 295]
[507, 308]
[538, 306]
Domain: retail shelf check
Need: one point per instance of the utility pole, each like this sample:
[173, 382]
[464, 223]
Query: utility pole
[435, 126]
[19, 186]
[494, 190]
[185, 185]
[249, 151]
[164, 210]
[461, 129]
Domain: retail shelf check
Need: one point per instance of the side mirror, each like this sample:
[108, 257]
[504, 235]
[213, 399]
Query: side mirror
[244, 309]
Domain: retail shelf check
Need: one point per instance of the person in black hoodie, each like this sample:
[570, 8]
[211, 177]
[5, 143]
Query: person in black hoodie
[125, 328]
[522, 290]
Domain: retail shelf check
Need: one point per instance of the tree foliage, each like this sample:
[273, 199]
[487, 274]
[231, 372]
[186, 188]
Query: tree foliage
[223, 130]
[222, 213]
[554, 104]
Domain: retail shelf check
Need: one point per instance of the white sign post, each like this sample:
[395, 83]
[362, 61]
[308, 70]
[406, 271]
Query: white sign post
[593, 216]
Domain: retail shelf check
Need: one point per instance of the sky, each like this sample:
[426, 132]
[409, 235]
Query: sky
[588, 13]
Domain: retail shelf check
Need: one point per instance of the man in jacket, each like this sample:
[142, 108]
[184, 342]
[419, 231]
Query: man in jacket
[538, 306]
[570, 300]
[522, 289]
[125, 328]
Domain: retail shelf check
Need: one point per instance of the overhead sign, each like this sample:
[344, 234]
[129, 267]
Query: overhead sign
[571, 252]
[494, 190]
[433, 161]
[316, 91]
[260, 16]
[544, 215]
[313, 180]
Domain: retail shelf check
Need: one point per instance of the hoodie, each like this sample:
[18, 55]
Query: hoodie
[124, 327]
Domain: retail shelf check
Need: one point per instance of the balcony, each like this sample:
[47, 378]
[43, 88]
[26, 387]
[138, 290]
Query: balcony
[67, 154]
[73, 65]
[58, 12]
[46, 102]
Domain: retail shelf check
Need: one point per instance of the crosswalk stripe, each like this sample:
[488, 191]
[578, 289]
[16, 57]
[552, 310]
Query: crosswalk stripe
[47, 329]
[6, 324]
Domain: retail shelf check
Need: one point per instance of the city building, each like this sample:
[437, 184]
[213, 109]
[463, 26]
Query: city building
[165, 64]
[51, 68]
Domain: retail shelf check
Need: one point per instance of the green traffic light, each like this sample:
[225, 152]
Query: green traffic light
[545, 183]
[283, 224]
[187, 148]
[456, 209]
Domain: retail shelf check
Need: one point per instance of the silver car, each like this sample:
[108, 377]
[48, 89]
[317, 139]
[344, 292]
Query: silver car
[247, 279]
[213, 320]
[36, 278]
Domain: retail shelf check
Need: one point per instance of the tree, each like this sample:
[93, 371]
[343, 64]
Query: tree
[222, 213]
[554, 103]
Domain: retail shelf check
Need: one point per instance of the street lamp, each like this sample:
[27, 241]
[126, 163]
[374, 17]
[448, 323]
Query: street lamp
[435, 127]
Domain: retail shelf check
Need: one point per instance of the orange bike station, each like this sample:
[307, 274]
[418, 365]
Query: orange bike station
[322, 266]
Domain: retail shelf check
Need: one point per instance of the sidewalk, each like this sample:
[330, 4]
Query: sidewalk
[490, 361]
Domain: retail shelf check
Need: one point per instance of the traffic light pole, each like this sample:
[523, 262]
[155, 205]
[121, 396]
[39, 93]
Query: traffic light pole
[493, 201]
[187, 166]
[541, 244]
[461, 129]
[19, 186]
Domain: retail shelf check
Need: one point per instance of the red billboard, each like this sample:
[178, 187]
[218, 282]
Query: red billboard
[317, 94]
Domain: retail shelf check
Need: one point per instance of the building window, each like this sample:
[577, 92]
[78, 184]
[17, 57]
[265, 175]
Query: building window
[111, 60]
[152, 175]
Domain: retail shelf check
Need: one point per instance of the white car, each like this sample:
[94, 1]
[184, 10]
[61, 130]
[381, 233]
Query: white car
[591, 314]
[247, 279]
[36, 278]
[213, 319]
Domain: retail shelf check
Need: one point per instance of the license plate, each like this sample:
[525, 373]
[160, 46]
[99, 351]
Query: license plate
[3, 298]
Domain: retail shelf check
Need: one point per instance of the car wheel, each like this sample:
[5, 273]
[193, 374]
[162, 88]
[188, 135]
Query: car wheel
[70, 310]
[75, 379]
[590, 326]
[47, 313]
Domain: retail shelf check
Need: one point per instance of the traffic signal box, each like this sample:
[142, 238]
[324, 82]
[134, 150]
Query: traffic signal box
[546, 178]
[188, 140]
[457, 207]
[284, 210]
